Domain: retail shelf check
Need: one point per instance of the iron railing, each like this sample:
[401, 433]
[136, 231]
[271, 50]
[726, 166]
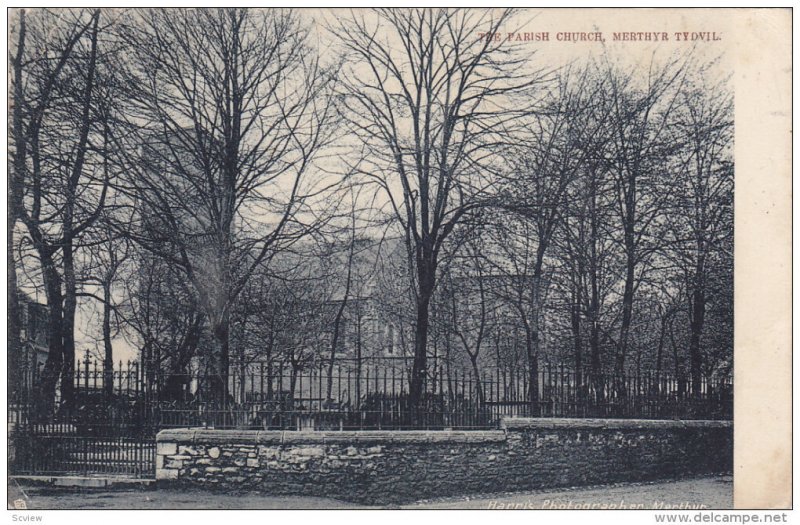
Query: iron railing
[262, 396]
[109, 425]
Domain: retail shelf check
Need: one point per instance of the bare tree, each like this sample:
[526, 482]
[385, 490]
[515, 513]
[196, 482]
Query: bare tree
[637, 160]
[232, 109]
[433, 105]
[62, 102]
[563, 139]
[701, 214]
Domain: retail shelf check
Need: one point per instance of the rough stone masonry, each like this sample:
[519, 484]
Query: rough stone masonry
[391, 467]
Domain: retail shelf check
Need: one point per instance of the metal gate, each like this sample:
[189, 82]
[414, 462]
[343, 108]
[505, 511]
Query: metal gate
[74, 441]
[106, 428]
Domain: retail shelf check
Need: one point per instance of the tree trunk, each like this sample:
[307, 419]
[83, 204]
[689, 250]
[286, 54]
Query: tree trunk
[68, 323]
[576, 335]
[533, 373]
[108, 354]
[532, 335]
[696, 326]
[335, 341]
[221, 359]
[358, 373]
[358, 350]
[292, 384]
[580, 389]
[419, 370]
[447, 348]
[16, 382]
[242, 373]
[55, 351]
[270, 347]
[627, 315]
[662, 334]
[629, 222]
[594, 300]
[681, 382]
[340, 312]
[478, 387]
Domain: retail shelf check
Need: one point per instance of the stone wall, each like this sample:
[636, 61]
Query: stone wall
[382, 467]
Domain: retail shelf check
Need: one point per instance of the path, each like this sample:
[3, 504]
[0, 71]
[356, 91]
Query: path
[712, 493]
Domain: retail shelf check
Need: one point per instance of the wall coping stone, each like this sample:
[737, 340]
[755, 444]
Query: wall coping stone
[528, 423]
[278, 437]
